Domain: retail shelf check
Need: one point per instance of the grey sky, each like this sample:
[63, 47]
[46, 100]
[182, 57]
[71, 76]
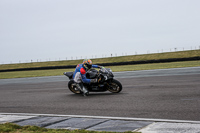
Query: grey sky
[53, 29]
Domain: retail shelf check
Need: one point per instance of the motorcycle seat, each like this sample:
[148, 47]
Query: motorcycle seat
[69, 74]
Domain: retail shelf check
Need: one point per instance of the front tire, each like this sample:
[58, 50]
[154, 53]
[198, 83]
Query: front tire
[114, 86]
[73, 88]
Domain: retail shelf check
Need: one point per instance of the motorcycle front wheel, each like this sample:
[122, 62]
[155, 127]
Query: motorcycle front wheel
[73, 88]
[114, 86]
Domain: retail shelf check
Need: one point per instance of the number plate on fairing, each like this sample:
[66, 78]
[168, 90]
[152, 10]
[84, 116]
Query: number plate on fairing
[105, 77]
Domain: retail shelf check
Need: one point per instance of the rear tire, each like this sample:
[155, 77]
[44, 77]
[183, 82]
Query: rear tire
[115, 86]
[73, 88]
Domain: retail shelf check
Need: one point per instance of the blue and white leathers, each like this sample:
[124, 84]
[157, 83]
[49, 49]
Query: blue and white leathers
[80, 74]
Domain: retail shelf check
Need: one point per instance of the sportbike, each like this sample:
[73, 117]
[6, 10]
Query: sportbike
[106, 81]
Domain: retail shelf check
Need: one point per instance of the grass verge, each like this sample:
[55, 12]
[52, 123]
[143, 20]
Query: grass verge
[180, 54]
[14, 128]
[55, 72]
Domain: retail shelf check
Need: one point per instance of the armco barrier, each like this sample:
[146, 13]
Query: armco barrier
[107, 64]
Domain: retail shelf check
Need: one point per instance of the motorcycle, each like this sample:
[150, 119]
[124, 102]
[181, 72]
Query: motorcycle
[106, 81]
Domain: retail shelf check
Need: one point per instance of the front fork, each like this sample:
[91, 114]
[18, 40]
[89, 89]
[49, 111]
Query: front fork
[108, 82]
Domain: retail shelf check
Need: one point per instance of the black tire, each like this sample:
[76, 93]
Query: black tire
[115, 86]
[73, 88]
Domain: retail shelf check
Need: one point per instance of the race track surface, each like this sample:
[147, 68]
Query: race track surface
[158, 94]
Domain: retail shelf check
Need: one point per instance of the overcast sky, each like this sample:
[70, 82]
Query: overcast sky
[41, 30]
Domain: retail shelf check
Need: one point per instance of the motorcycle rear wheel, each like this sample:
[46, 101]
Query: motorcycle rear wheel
[73, 88]
[115, 86]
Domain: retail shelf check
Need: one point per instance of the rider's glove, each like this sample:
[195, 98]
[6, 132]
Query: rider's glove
[93, 81]
[100, 67]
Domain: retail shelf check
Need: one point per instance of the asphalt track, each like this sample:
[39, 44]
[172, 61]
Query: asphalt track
[159, 94]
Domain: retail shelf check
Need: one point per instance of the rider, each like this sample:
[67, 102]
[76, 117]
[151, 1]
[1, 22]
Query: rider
[79, 75]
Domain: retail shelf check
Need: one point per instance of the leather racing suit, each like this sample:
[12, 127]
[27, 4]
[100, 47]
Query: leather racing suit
[79, 76]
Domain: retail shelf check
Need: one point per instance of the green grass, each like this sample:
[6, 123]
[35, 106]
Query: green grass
[14, 128]
[55, 72]
[156, 66]
[181, 54]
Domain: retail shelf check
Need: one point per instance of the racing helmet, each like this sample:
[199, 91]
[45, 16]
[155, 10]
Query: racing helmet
[87, 63]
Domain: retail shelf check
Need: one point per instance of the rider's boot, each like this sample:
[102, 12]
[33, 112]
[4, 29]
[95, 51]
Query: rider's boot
[84, 90]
